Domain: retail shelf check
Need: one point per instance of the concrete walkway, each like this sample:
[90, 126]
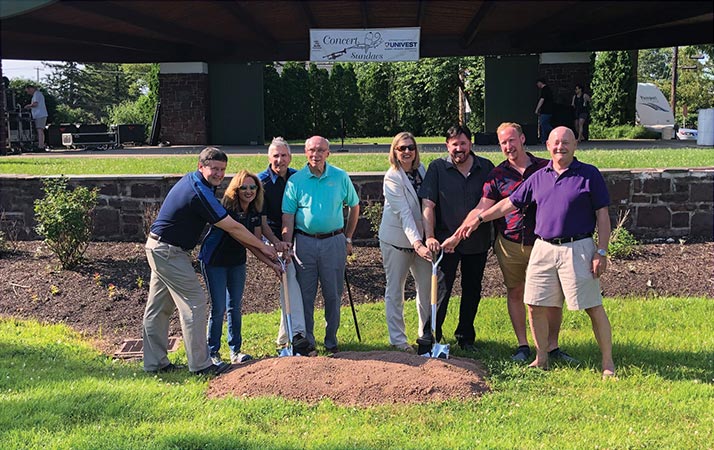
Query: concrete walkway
[639, 144]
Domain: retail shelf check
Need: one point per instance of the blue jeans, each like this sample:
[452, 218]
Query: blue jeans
[545, 127]
[225, 288]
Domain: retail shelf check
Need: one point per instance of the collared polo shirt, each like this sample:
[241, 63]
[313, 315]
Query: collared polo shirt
[273, 190]
[455, 195]
[519, 225]
[566, 202]
[188, 206]
[317, 202]
[220, 249]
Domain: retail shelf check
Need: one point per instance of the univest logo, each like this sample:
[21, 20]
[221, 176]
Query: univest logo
[400, 45]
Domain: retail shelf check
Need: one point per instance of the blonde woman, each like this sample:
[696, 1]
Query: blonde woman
[223, 264]
[401, 236]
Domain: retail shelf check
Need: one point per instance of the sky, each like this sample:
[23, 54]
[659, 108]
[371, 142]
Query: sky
[16, 68]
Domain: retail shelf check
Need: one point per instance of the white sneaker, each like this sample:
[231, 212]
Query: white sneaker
[216, 358]
[237, 358]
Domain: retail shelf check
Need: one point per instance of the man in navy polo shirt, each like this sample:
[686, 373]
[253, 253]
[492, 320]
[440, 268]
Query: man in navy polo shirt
[565, 264]
[188, 206]
[451, 188]
[274, 180]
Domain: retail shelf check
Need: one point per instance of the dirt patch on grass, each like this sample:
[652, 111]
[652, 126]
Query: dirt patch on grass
[356, 379]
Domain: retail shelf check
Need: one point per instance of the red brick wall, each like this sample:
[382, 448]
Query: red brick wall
[562, 79]
[184, 108]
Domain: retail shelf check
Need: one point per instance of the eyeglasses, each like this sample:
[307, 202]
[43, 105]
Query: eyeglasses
[404, 148]
[252, 187]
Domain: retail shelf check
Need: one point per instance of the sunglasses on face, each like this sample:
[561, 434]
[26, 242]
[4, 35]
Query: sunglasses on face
[404, 148]
[252, 187]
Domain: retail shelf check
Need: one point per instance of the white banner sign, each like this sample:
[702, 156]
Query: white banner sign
[367, 45]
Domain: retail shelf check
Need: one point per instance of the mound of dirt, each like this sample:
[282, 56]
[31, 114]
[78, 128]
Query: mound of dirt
[356, 379]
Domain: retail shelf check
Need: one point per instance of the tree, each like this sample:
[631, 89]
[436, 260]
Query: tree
[346, 96]
[614, 87]
[322, 110]
[374, 81]
[296, 98]
[275, 113]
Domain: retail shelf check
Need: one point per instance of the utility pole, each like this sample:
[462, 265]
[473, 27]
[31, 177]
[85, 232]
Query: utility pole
[673, 92]
[37, 69]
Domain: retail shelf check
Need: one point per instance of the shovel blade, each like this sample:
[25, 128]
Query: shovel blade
[287, 351]
[440, 351]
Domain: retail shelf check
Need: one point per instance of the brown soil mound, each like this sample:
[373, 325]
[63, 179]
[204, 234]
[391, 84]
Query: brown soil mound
[356, 379]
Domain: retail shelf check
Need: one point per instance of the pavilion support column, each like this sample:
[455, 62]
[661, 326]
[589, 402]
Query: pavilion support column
[183, 90]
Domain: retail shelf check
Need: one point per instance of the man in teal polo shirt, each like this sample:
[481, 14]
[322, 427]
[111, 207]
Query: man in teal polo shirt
[312, 213]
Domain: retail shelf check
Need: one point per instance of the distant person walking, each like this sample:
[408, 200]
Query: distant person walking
[544, 110]
[581, 109]
[39, 113]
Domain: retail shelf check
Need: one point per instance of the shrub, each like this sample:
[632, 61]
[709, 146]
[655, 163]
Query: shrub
[622, 132]
[373, 213]
[64, 219]
[622, 243]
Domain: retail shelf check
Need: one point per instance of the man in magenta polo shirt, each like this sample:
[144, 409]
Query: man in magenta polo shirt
[565, 264]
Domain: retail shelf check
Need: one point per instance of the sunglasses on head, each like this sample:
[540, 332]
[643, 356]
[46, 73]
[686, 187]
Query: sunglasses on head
[404, 148]
[252, 187]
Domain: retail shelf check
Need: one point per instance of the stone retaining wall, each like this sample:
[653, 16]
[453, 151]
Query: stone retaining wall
[662, 203]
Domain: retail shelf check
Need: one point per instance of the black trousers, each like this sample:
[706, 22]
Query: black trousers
[472, 267]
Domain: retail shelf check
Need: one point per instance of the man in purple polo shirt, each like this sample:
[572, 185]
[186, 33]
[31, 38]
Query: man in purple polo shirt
[565, 265]
[516, 235]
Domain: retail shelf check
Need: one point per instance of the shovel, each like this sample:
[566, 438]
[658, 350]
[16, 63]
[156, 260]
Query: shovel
[287, 350]
[437, 350]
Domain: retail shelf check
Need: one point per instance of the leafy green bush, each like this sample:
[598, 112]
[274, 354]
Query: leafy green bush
[373, 213]
[622, 243]
[132, 112]
[64, 219]
[598, 131]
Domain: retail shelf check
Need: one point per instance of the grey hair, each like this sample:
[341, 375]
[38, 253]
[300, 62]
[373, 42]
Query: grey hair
[316, 136]
[279, 142]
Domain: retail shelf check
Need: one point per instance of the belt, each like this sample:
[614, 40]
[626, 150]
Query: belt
[158, 238]
[565, 240]
[320, 235]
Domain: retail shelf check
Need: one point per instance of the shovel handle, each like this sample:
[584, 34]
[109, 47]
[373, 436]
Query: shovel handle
[286, 292]
[434, 289]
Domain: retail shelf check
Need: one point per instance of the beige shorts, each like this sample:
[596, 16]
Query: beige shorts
[562, 272]
[513, 260]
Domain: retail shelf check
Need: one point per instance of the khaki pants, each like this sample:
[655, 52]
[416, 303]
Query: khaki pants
[174, 285]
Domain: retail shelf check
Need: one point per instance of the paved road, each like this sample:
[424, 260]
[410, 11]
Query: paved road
[365, 148]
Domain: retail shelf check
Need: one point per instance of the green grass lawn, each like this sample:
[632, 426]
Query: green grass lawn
[57, 392]
[352, 162]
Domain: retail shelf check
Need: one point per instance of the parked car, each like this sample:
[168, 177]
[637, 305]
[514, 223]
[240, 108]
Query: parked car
[687, 134]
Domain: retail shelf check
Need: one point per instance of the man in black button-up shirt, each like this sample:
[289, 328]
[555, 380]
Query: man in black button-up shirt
[452, 187]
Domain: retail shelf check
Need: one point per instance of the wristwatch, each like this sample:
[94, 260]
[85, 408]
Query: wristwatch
[480, 219]
[602, 252]
[349, 240]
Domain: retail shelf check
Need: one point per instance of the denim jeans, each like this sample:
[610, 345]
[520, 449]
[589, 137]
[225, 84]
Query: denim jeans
[225, 288]
[545, 127]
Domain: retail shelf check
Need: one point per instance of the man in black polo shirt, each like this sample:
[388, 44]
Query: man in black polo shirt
[189, 205]
[452, 187]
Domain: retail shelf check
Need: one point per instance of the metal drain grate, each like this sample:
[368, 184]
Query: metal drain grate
[134, 348]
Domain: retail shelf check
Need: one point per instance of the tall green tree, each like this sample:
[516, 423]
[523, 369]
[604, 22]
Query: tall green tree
[377, 116]
[296, 86]
[614, 86]
[346, 97]
[275, 112]
[322, 108]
